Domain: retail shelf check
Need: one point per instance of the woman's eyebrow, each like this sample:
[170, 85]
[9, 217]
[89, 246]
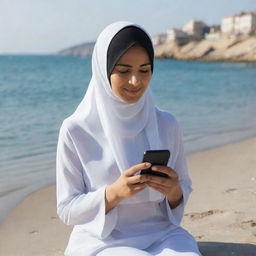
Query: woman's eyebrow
[130, 66]
[124, 65]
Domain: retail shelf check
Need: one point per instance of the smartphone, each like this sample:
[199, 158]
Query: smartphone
[156, 157]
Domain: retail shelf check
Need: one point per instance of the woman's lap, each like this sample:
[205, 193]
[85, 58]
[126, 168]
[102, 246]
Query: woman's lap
[179, 244]
[123, 251]
[182, 244]
[129, 251]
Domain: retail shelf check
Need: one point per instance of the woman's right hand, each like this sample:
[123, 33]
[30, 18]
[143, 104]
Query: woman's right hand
[127, 185]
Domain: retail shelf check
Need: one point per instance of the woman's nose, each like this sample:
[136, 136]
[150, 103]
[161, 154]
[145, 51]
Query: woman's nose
[134, 80]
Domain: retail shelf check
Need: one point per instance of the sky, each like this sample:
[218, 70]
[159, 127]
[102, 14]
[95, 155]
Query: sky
[47, 26]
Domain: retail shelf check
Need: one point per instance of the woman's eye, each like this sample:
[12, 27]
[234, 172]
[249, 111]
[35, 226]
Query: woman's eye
[144, 71]
[123, 71]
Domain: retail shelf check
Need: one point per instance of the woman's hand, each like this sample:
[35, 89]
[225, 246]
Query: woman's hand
[127, 185]
[168, 186]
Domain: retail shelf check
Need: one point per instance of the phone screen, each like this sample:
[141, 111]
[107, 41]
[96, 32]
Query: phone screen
[156, 157]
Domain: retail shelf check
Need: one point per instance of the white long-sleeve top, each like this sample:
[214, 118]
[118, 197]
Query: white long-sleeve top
[81, 191]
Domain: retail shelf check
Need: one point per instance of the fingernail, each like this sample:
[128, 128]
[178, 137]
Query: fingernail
[154, 168]
[147, 164]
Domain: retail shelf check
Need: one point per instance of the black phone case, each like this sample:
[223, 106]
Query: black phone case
[156, 157]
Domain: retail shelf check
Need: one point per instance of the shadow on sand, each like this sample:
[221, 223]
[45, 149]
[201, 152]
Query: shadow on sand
[226, 249]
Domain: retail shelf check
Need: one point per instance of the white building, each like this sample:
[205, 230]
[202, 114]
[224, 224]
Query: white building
[227, 25]
[176, 34]
[239, 24]
[214, 33]
[195, 28]
[159, 39]
[245, 23]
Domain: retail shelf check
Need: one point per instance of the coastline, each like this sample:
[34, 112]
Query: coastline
[219, 50]
[241, 49]
[221, 207]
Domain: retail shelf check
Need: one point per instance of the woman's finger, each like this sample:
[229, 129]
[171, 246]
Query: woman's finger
[136, 168]
[166, 170]
[158, 188]
[160, 180]
[138, 187]
[164, 187]
[136, 179]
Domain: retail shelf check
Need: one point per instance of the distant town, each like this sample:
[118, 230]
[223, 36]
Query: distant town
[234, 40]
[234, 26]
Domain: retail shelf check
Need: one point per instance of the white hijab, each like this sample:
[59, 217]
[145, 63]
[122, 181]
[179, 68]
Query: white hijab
[121, 122]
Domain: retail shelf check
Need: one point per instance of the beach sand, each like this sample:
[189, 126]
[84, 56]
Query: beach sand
[221, 212]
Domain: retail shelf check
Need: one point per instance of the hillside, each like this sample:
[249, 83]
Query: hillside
[84, 50]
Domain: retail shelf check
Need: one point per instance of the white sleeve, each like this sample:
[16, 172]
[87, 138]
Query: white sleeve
[180, 167]
[76, 205]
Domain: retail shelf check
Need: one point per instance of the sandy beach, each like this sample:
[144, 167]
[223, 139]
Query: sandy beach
[221, 212]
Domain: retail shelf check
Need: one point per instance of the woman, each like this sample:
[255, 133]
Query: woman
[114, 209]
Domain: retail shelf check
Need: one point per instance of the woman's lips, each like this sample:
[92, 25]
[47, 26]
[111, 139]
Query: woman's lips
[133, 92]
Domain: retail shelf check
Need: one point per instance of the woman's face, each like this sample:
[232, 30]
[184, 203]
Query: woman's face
[131, 75]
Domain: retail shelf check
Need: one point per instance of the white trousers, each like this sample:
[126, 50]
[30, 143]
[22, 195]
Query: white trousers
[178, 245]
[129, 251]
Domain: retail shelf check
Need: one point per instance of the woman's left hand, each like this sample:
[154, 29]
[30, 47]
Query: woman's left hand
[167, 186]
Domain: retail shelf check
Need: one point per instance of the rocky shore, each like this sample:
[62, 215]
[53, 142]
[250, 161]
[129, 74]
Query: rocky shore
[82, 50]
[234, 50]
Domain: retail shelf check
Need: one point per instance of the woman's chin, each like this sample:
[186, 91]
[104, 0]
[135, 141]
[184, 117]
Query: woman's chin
[131, 96]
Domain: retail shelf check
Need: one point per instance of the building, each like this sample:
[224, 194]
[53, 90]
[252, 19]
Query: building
[239, 24]
[214, 33]
[196, 29]
[177, 34]
[159, 39]
[227, 25]
[245, 23]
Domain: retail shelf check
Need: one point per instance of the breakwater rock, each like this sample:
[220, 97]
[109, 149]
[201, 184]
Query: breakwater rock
[239, 49]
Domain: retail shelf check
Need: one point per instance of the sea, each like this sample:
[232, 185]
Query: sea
[215, 104]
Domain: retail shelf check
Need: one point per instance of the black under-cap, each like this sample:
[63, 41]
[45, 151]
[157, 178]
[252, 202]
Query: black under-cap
[123, 40]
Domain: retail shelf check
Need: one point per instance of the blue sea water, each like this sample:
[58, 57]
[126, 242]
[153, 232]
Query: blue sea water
[214, 102]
